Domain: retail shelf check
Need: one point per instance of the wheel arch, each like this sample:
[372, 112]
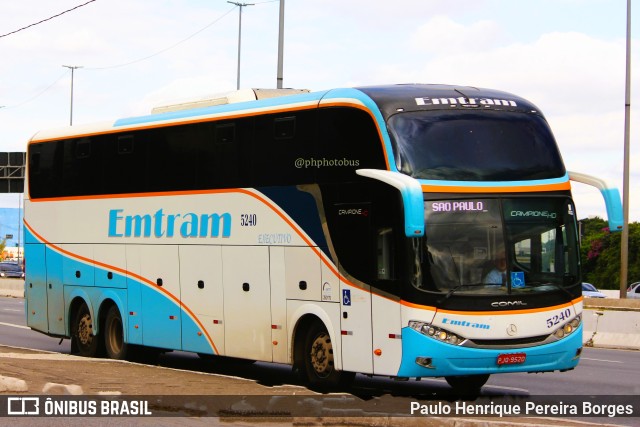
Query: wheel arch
[107, 300]
[300, 321]
[78, 298]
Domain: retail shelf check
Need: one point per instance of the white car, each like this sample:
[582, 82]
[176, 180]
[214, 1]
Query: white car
[634, 290]
[588, 290]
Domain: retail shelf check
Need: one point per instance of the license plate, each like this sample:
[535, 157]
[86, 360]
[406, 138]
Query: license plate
[511, 359]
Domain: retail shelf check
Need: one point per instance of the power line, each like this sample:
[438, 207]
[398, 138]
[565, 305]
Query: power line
[124, 64]
[42, 92]
[165, 49]
[175, 44]
[48, 19]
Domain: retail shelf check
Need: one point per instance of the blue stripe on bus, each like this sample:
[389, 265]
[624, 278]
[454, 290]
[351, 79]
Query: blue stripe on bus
[302, 208]
[138, 298]
[375, 110]
[480, 184]
[226, 108]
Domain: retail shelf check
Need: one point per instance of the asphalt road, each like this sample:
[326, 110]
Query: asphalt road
[601, 371]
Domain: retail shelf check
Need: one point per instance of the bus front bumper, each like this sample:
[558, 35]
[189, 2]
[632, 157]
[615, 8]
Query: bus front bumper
[424, 356]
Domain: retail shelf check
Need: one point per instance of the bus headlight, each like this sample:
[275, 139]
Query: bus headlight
[568, 328]
[436, 333]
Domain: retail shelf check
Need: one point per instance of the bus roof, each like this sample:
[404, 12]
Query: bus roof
[382, 101]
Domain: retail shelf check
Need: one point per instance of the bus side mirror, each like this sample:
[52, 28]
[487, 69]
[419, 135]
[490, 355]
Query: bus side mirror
[412, 198]
[611, 197]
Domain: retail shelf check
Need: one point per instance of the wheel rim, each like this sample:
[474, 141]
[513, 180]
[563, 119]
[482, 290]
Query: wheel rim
[85, 330]
[322, 355]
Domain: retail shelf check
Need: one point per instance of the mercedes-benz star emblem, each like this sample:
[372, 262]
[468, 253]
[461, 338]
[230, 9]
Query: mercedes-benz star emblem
[512, 330]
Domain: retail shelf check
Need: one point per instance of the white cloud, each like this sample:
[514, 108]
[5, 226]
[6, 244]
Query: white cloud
[443, 36]
[571, 68]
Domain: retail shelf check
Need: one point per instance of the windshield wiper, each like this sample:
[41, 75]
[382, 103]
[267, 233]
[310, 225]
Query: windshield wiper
[457, 288]
[553, 285]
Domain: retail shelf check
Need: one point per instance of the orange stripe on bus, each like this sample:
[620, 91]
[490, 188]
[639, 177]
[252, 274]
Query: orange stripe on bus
[427, 188]
[494, 313]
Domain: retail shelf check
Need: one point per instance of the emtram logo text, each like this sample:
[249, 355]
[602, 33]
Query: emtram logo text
[160, 224]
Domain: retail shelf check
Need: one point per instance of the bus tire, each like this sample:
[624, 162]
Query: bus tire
[82, 338]
[318, 363]
[114, 335]
[467, 384]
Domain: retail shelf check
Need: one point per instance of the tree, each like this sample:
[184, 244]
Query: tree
[600, 253]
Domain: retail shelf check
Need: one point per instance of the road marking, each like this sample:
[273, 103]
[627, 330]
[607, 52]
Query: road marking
[12, 309]
[501, 387]
[14, 326]
[601, 360]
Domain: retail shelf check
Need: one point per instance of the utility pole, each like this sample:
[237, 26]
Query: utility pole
[279, 77]
[624, 239]
[240, 6]
[72, 68]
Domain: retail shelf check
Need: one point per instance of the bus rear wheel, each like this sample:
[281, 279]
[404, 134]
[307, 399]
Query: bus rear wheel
[467, 384]
[82, 338]
[114, 335]
[319, 367]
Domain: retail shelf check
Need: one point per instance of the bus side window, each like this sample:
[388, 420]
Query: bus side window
[279, 144]
[284, 128]
[125, 144]
[350, 137]
[385, 248]
[225, 133]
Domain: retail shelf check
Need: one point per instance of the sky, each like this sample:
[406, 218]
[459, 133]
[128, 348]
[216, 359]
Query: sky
[565, 56]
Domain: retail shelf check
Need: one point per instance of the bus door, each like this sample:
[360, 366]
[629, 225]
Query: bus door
[354, 244]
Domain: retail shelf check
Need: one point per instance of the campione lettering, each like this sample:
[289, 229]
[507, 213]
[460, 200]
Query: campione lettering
[160, 224]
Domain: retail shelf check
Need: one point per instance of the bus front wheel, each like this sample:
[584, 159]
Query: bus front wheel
[318, 364]
[114, 335]
[82, 338]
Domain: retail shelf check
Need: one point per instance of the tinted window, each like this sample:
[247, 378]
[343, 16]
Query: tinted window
[348, 140]
[475, 146]
[288, 148]
[279, 141]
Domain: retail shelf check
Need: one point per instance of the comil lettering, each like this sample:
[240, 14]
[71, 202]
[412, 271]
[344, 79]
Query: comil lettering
[464, 101]
[160, 224]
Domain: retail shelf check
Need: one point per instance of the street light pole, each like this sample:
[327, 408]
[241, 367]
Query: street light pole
[624, 240]
[240, 6]
[279, 77]
[72, 68]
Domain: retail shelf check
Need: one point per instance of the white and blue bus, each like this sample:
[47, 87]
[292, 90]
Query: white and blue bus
[343, 231]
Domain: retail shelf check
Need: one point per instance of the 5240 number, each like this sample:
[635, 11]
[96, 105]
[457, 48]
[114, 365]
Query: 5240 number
[248, 220]
[563, 315]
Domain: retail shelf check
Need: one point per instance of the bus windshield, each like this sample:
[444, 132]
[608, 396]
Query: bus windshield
[474, 146]
[498, 246]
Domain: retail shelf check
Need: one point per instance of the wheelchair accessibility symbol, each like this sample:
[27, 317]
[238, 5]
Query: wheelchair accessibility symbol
[346, 297]
[517, 279]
